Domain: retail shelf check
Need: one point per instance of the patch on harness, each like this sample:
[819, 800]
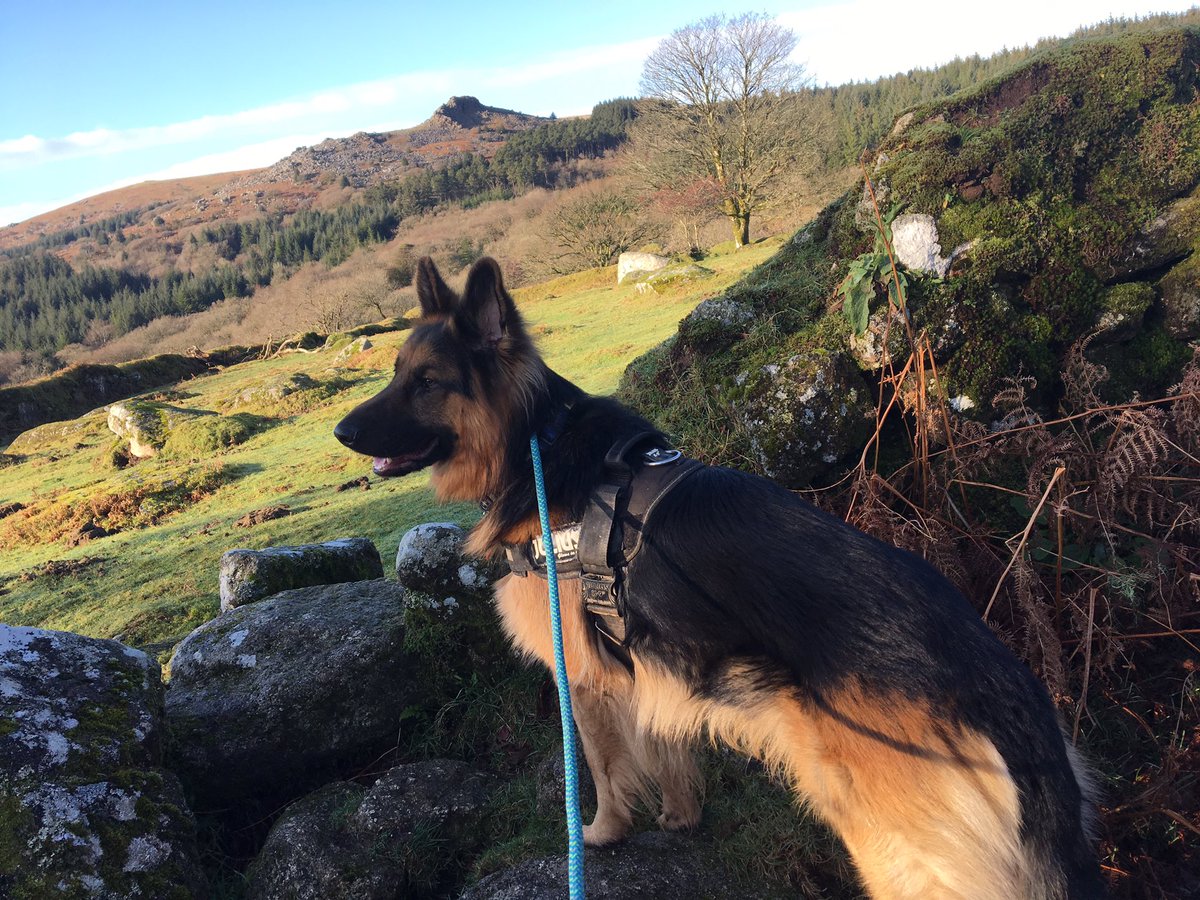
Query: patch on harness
[566, 546]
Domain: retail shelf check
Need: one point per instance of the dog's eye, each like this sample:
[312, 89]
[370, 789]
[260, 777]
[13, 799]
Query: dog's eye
[427, 384]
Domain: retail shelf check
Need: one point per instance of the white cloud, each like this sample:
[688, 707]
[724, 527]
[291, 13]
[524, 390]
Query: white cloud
[403, 95]
[19, 212]
[865, 39]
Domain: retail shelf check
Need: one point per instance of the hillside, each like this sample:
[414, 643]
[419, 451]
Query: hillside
[307, 176]
[131, 273]
[58, 476]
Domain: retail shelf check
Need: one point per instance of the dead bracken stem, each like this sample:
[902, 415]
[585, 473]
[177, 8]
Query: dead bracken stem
[1087, 665]
[1058, 473]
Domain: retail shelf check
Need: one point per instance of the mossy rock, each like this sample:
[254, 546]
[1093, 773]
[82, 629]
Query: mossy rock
[678, 273]
[1168, 237]
[250, 575]
[272, 699]
[715, 324]
[1063, 187]
[147, 424]
[336, 341]
[352, 347]
[804, 415]
[430, 559]
[211, 434]
[285, 395]
[59, 436]
[1181, 299]
[653, 864]
[403, 836]
[1122, 311]
[86, 810]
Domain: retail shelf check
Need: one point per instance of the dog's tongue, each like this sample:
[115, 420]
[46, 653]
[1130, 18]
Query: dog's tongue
[389, 465]
[400, 465]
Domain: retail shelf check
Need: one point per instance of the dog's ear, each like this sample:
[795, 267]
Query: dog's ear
[487, 313]
[437, 300]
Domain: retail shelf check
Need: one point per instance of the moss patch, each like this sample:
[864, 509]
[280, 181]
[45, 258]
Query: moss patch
[212, 434]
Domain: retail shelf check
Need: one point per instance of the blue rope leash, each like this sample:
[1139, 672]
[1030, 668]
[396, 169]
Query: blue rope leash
[570, 768]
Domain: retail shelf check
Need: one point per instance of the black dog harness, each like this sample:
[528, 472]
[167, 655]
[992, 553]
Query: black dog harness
[638, 473]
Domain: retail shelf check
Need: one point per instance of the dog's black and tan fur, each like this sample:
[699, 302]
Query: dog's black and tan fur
[852, 668]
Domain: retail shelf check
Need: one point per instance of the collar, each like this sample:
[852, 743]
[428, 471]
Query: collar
[553, 429]
[549, 433]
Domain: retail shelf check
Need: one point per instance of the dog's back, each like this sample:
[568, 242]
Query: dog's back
[868, 680]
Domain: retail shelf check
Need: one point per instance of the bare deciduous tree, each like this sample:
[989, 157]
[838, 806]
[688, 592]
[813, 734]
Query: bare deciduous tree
[594, 229]
[721, 109]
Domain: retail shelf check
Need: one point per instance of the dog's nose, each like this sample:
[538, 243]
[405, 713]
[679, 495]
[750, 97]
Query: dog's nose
[346, 433]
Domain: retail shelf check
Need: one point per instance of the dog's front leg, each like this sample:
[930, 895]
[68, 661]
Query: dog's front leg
[605, 728]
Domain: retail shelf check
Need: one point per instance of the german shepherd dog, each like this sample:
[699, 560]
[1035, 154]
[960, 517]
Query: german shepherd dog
[851, 668]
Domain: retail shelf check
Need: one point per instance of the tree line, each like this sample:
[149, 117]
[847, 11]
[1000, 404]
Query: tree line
[45, 303]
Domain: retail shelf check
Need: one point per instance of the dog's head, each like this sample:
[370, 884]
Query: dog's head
[465, 372]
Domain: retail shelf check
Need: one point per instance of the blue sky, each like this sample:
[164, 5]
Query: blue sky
[99, 95]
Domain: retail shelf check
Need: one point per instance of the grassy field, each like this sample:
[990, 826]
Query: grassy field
[155, 580]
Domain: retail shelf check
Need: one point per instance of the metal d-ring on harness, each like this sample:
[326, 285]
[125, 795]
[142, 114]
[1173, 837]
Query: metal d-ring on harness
[638, 472]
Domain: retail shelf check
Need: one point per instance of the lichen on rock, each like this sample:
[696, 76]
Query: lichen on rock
[804, 414]
[430, 559]
[271, 697]
[86, 808]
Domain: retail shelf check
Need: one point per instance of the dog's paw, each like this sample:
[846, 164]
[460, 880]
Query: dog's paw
[679, 818]
[602, 834]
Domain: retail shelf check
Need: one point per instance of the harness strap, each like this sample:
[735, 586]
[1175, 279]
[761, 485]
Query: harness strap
[599, 548]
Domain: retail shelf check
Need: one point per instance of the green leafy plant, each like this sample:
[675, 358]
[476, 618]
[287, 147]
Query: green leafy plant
[868, 270]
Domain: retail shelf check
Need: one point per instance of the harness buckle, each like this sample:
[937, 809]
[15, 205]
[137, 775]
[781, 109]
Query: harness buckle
[599, 594]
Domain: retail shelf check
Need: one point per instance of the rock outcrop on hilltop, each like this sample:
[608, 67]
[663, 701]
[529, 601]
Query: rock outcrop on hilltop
[459, 125]
[1050, 205]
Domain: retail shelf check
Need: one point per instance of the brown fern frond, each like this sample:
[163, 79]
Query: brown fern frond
[1081, 378]
[1015, 393]
[1043, 648]
[1185, 411]
[1137, 448]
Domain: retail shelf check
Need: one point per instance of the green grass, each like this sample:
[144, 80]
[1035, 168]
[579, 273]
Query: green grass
[151, 584]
